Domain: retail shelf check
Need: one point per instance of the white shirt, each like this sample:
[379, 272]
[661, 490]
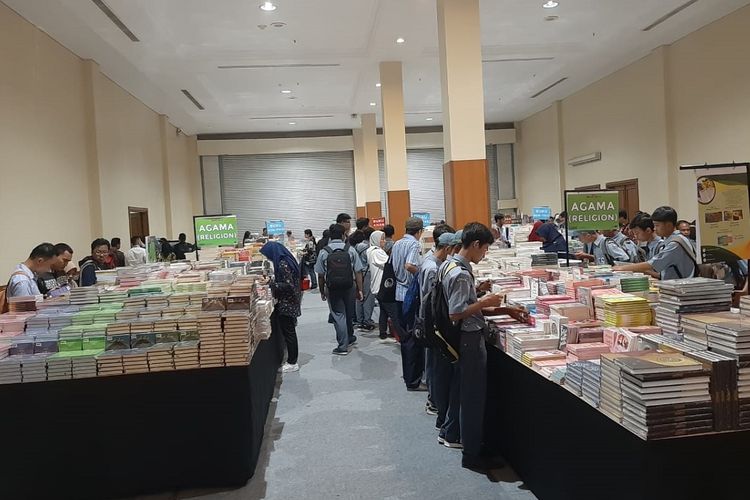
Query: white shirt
[376, 259]
[135, 256]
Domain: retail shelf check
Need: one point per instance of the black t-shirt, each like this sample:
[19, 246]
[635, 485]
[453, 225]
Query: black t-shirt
[49, 282]
[180, 249]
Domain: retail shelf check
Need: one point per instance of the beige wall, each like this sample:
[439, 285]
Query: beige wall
[685, 103]
[63, 124]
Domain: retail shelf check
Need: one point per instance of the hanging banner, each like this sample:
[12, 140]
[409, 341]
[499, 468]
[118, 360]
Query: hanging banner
[378, 223]
[723, 214]
[592, 210]
[541, 213]
[215, 230]
[275, 227]
[425, 216]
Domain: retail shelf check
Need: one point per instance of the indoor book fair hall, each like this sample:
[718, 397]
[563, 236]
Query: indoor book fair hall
[374, 249]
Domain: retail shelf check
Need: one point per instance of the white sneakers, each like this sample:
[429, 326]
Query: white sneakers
[289, 368]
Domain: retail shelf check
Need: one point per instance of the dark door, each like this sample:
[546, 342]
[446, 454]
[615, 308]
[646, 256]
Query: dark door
[628, 191]
[138, 222]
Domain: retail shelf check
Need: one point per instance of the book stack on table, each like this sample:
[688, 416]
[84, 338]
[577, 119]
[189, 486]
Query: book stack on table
[693, 295]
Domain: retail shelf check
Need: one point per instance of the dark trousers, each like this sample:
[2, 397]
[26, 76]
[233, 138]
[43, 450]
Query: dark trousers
[287, 325]
[307, 270]
[473, 390]
[444, 384]
[341, 304]
[388, 310]
[412, 355]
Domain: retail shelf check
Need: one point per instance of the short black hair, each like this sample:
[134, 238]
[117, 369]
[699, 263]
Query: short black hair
[99, 242]
[476, 231]
[441, 229]
[289, 232]
[182, 237]
[326, 233]
[308, 232]
[564, 214]
[363, 222]
[389, 231]
[623, 214]
[356, 237]
[499, 217]
[642, 221]
[43, 251]
[115, 241]
[682, 221]
[134, 240]
[665, 214]
[368, 231]
[61, 248]
[337, 232]
[343, 217]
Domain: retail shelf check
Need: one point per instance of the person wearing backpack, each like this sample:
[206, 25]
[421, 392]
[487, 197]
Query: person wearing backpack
[469, 379]
[360, 240]
[635, 253]
[677, 260]
[406, 260]
[376, 261]
[339, 271]
[602, 251]
[23, 279]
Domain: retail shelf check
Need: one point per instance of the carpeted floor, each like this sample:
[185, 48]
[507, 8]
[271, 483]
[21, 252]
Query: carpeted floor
[345, 427]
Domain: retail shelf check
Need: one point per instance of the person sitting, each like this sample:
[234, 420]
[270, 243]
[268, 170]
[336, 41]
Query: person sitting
[97, 261]
[23, 281]
[182, 247]
[57, 282]
[137, 253]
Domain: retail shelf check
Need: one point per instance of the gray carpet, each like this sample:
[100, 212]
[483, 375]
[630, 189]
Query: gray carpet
[345, 427]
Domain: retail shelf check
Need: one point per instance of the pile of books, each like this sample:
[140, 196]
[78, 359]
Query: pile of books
[664, 394]
[237, 341]
[694, 325]
[610, 387]
[10, 370]
[634, 284]
[109, 363]
[626, 310]
[591, 382]
[186, 355]
[745, 305]
[534, 357]
[543, 302]
[693, 295]
[160, 357]
[83, 295]
[522, 343]
[544, 260]
[135, 360]
[583, 352]
[732, 339]
[34, 368]
[12, 324]
[212, 340]
[724, 382]
[21, 304]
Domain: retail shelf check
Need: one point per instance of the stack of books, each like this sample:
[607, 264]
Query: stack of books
[694, 325]
[262, 327]
[745, 305]
[109, 363]
[83, 295]
[626, 310]
[212, 340]
[664, 394]
[10, 370]
[591, 382]
[534, 357]
[723, 385]
[60, 366]
[543, 302]
[583, 352]
[34, 368]
[84, 363]
[544, 260]
[11, 325]
[134, 360]
[694, 295]
[548, 367]
[186, 355]
[743, 389]
[21, 304]
[732, 339]
[160, 357]
[574, 377]
[237, 341]
[636, 284]
[522, 343]
[610, 388]
[71, 338]
[4, 350]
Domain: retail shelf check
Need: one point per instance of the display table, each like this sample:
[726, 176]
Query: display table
[562, 448]
[134, 434]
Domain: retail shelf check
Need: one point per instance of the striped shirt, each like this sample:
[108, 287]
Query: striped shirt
[405, 251]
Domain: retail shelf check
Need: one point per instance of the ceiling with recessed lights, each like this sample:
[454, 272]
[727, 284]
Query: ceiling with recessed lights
[285, 65]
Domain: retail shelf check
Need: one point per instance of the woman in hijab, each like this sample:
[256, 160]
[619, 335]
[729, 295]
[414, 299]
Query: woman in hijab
[534, 235]
[288, 293]
[376, 259]
[554, 242]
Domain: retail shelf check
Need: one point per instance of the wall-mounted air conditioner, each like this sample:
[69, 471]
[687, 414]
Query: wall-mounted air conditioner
[582, 160]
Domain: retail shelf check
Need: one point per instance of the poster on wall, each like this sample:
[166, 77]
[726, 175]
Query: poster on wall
[541, 213]
[215, 230]
[723, 214]
[378, 223]
[275, 227]
[592, 210]
[425, 216]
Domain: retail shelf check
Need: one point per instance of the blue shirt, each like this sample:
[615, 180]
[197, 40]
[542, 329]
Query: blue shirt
[405, 251]
[427, 277]
[22, 284]
[322, 263]
[674, 261]
[461, 292]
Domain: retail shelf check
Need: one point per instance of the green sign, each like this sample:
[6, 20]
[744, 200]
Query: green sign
[593, 210]
[215, 230]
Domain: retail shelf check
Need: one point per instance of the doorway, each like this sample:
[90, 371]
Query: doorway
[138, 222]
[628, 191]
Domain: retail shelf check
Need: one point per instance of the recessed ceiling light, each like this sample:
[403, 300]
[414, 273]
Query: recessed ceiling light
[373, 104]
[550, 4]
[400, 40]
[428, 119]
[267, 6]
[292, 123]
[377, 84]
[286, 91]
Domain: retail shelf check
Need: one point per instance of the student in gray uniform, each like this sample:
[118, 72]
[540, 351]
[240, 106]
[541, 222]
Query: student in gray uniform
[677, 259]
[630, 246]
[469, 392]
[643, 228]
[602, 251]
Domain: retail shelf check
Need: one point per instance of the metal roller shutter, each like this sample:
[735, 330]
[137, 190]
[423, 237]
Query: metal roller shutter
[426, 188]
[305, 190]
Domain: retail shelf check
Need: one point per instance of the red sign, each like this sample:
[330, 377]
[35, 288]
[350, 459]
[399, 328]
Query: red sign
[378, 223]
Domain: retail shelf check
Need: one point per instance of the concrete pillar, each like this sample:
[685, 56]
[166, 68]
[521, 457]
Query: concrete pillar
[465, 170]
[359, 172]
[394, 140]
[370, 163]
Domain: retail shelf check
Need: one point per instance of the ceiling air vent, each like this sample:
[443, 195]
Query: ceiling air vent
[518, 59]
[192, 99]
[669, 14]
[266, 66]
[545, 89]
[290, 117]
[116, 20]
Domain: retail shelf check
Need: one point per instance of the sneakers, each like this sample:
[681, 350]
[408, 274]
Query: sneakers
[340, 352]
[419, 388]
[352, 340]
[366, 327]
[289, 368]
[430, 409]
[388, 340]
[441, 439]
[455, 446]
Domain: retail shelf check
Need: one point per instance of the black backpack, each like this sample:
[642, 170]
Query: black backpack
[440, 331]
[387, 291]
[339, 268]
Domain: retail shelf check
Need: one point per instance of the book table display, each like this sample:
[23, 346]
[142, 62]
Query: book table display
[620, 387]
[161, 383]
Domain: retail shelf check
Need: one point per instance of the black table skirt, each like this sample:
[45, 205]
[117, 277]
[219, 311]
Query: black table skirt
[562, 448]
[136, 434]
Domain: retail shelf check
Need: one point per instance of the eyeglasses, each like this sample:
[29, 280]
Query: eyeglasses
[99, 252]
